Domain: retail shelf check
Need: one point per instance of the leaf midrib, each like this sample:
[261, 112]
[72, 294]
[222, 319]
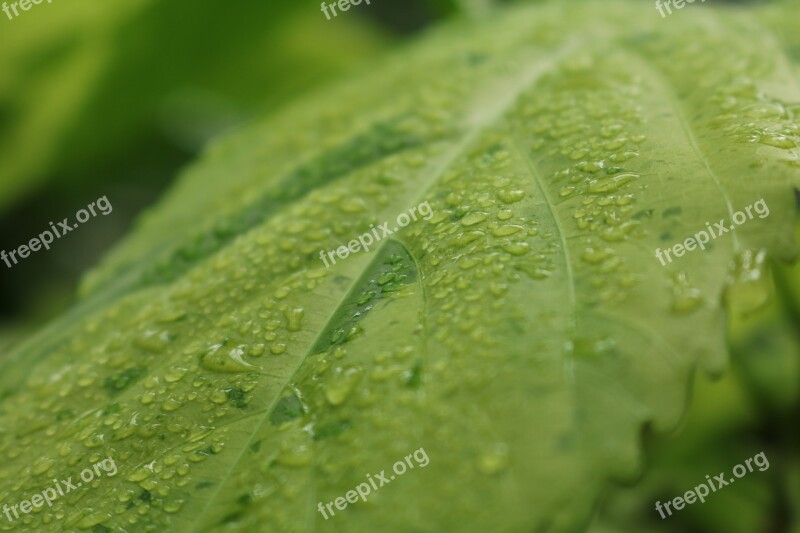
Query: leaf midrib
[643, 65]
[477, 123]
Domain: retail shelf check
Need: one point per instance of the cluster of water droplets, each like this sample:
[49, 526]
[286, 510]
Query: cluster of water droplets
[582, 132]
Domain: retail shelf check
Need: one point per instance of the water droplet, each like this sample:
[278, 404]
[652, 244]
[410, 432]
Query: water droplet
[748, 287]
[609, 131]
[621, 157]
[510, 196]
[616, 144]
[175, 374]
[467, 237]
[494, 461]
[219, 359]
[596, 255]
[578, 154]
[465, 263]
[440, 216]
[764, 110]
[611, 185]
[341, 383]
[685, 297]
[498, 288]
[153, 341]
[277, 348]
[352, 205]
[516, 248]
[590, 166]
[93, 519]
[171, 404]
[504, 214]
[141, 473]
[293, 318]
[778, 141]
[534, 272]
[474, 218]
[43, 465]
[173, 506]
[504, 231]
[295, 457]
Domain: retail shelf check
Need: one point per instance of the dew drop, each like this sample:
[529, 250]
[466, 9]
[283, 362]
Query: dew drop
[685, 298]
[596, 255]
[517, 248]
[352, 205]
[173, 506]
[295, 457]
[473, 218]
[504, 231]
[277, 348]
[510, 196]
[341, 383]
[748, 286]
[293, 318]
[175, 374]
[225, 360]
[93, 519]
[504, 214]
[467, 237]
[493, 461]
[778, 141]
[153, 341]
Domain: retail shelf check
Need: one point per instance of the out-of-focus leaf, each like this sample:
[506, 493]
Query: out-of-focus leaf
[85, 81]
[752, 409]
[720, 432]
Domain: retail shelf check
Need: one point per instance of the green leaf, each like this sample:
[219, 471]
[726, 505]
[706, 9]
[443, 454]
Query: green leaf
[521, 336]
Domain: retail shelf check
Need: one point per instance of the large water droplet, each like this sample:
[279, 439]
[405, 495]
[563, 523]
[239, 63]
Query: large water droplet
[341, 383]
[474, 218]
[685, 297]
[748, 285]
[220, 359]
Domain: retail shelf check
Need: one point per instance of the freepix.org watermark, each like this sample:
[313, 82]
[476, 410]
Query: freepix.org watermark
[343, 5]
[363, 490]
[45, 239]
[24, 5]
[366, 240]
[701, 491]
[679, 4]
[60, 488]
[702, 237]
